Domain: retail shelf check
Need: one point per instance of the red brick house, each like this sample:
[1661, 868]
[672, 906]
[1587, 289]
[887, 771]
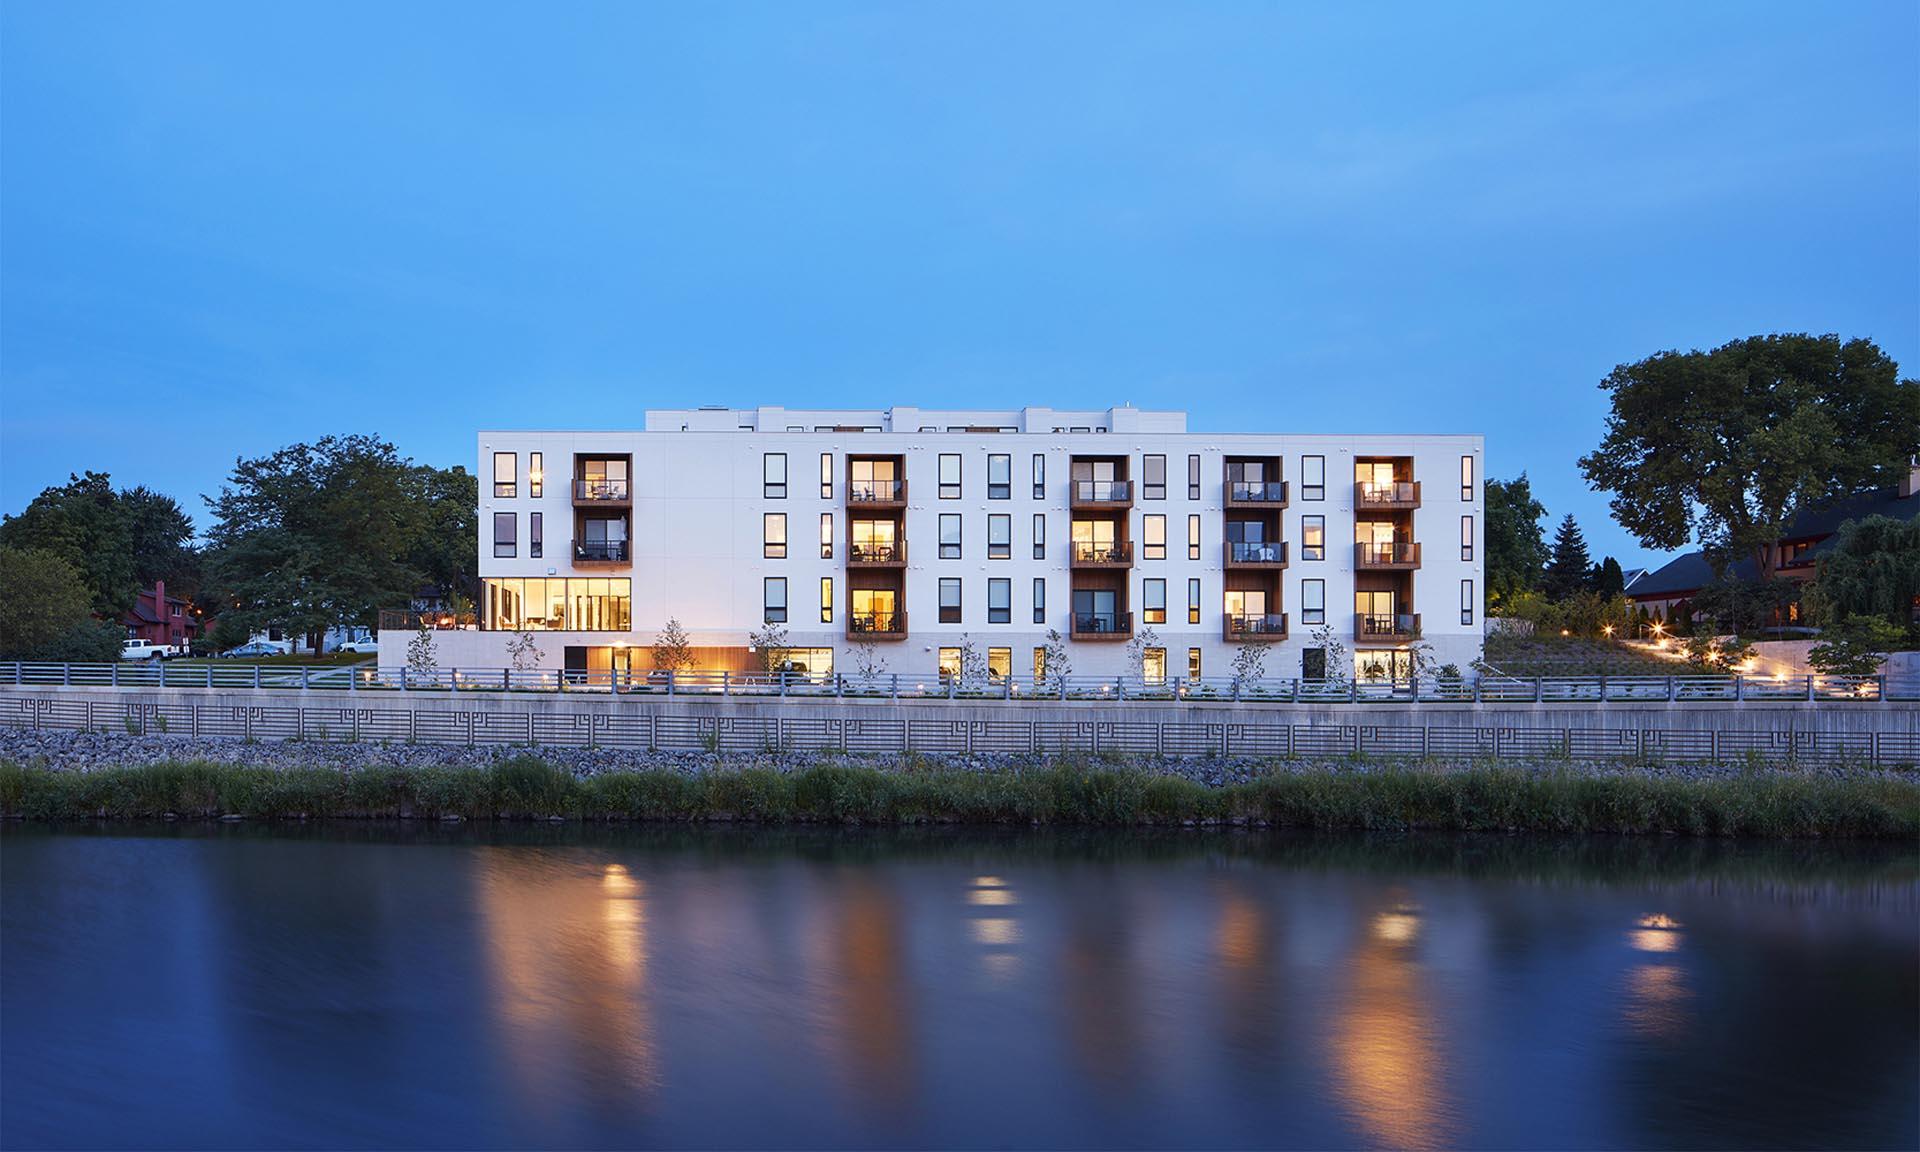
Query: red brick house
[161, 619]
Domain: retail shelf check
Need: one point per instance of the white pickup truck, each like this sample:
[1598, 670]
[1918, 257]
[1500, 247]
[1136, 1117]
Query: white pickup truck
[147, 650]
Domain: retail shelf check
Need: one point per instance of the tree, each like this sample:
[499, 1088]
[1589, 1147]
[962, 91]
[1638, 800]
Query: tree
[869, 665]
[1567, 571]
[1249, 665]
[119, 541]
[672, 650]
[770, 641]
[422, 658]
[1056, 663]
[46, 611]
[1606, 579]
[525, 652]
[1137, 649]
[972, 672]
[1333, 655]
[1730, 445]
[1516, 548]
[1872, 568]
[1855, 647]
[1744, 607]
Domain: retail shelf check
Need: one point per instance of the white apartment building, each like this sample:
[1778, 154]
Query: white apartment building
[911, 531]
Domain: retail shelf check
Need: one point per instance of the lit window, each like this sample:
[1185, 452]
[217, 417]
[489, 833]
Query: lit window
[1193, 663]
[505, 533]
[949, 600]
[999, 601]
[773, 476]
[826, 599]
[1193, 537]
[773, 600]
[1000, 536]
[999, 476]
[1466, 479]
[1313, 478]
[950, 663]
[949, 476]
[1153, 666]
[1313, 601]
[999, 665]
[575, 604]
[950, 536]
[536, 476]
[1313, 537]
[1154, 597]
[773, 535]
[1154, 530]
[826, 535]
[1154, 480]
[1193, 600]
[826, 475]
[505, 467]
[1039, 666]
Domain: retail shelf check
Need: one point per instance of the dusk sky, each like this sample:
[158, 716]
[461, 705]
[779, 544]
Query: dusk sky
[226, 229]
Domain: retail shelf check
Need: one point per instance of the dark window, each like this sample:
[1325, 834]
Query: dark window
[949, 476]
[1039, 600]
[505, 530]
[1466, 537]
[536, 536]
[1193, 601]
[1155, 481]
[1466, 601]
[949, 600]
[1154, 594]
[1039, 476]
[1193, 477]
[949, 535]
[999, 476]
[1313, 601]
[773, 476]
[999, 601]
[773, 600]
[1000, 536]
[1313, 477]
[1313, 664]
[1039, 536]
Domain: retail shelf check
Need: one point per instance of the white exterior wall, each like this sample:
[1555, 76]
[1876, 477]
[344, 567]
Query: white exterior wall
[698, 502]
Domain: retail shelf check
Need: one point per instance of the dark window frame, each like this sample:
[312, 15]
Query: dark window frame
[1193, 477]
[951, 489]
[1309, 490]
[509, 488]
[536, 536]
[512, 540]
[771, 549]
[1039, 599]
[1001, 489]
[1003, 612]
[771, 489]
[1147, 609]
[1000, 549]
[1310, 615]
[1149, 488]
[959, 536]
[957, 608]
[1039, 475]
[1307, 549]
[767, 607]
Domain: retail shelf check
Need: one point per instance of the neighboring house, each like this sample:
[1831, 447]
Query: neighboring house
[911, 529]
[330, 640]
[161, 619]
[1672, 587]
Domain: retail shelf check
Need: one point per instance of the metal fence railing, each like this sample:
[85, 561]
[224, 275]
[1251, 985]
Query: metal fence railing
[1481, 689]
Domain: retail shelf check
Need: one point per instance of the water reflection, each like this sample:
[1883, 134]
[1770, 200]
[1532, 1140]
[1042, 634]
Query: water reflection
[996, 932]
[869, 1026]
[1387, 1062]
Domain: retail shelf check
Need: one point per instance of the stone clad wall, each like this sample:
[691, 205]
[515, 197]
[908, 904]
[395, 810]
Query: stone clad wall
[1885, 733]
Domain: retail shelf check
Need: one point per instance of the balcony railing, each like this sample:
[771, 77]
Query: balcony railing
[1397, 494]
[1098, 492]
[877, 625]
[601, 552]
[602, 492]
[1387, 625]
[401, 619]
[1087, 555]
[1397, 554]
[876, 492]
[1256, 626]
[1102, 625]
[877, 555]
[1263, 553]
[1256, 491]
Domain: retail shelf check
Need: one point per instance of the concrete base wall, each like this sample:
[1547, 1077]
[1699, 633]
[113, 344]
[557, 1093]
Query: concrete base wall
[1767, 732]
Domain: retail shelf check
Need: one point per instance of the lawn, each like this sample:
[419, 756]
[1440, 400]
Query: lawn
[1573, 656]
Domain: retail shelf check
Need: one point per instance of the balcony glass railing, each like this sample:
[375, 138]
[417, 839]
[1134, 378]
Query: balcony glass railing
[876, 491]
[1397, 492]
[1257, 551]
[1388, 624]
[1257, 491]
[877, 553]
[1102, 491]
[1102, 623]
[601, 490]
[1257, 624]
[881, 622]
[605, 551]
[1118, 552]
[1396, 552]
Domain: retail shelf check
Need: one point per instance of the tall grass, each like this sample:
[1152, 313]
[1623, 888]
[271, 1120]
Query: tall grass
[1486, 798]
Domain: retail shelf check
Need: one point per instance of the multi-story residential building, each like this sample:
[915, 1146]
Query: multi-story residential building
[908, 532]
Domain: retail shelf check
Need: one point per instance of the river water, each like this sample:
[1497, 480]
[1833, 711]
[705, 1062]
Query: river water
[379, 985]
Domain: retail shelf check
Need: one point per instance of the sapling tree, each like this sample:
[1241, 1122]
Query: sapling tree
[770, 641]
[672, 650]
[1056, 664]
[1336, 653]
[1137, 648]
[422, 660]
[1249, 665]
[868, 664]
[525, 652]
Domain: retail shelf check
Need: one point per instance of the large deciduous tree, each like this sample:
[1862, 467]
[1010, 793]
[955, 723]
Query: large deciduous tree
[119, 542]
[46, 613]
[1728, 445]
[1516, 548]
[1871, 569]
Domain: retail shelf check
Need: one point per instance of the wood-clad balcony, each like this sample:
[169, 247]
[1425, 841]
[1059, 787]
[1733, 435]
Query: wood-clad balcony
[602, 554]
[1257, 494]
[1397, 496]
[1270, 555]
[877, 495]
[876, 626]
[1118, 554]
[1254, 626]
[892, 555]
[1399, 556]
[1386, 627]
[1094, 495]
[602, 493]
[1102, 626]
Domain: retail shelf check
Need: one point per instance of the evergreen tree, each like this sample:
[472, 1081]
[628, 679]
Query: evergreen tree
[1607, 578]
[1567, 571]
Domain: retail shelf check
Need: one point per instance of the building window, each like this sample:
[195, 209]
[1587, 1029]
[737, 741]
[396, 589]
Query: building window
[950, 663]
[1039, 667]
[949, 600]
[773, 600]
[1154, 482]
[949, 535]
[1313, 601]
[999, 665]
[541, 604]
[826, 535]
[1153, 530]
[1153, 596]
[1039, 476]
[773, 535]
[1313, 537]
[1466, 601]
[1000, 536]
[536, 534]
[1193, 477]
[999, 476]
[1193, 537]
[826, 475]
[1466, 537]
[773, 475]
[1193, 663]
[1466, 479]
[999, 600]
[1193, 600]
[505, 530]
[826, 599]
[949, 476]
[1313, 477]
[1039, 536]
[1039, 600]
[1153, 666]
[504, 466]
[536, 476]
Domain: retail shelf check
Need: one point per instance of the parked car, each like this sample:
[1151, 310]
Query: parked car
[146, 650]
[366, 646]
[253, 650]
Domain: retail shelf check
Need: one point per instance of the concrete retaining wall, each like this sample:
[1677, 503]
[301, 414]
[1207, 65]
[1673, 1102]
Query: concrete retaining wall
[1697, 731]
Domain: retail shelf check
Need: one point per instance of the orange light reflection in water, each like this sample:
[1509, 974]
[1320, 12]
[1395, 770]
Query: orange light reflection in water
[1385, 1057]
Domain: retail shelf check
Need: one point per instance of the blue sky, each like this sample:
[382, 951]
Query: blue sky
[224, 229]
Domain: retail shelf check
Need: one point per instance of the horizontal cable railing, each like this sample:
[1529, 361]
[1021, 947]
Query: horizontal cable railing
[1484, 688]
